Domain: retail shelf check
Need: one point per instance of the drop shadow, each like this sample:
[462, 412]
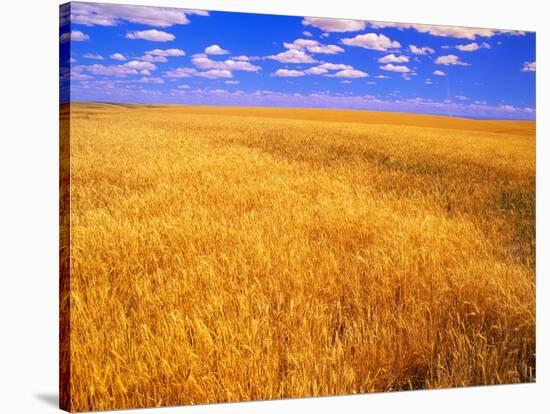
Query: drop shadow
[51, 399]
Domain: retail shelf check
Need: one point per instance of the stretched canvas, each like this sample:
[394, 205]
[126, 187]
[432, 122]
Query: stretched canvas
[257, 207]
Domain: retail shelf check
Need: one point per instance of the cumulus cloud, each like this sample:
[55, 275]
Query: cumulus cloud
[165, 52]
[472, 47]
[448, 31]
[450, 60]
[286, 73]
[134, 67]
[293, 56]
[425, 50]
[307, 33]
[529, 67]
[139, 65]
[74, 36]
[395, 68]
[92, 56]
[391, 58]
[232, 82]
[152, 35]
[202, 61]
[335, 70]
[334, 25]
[73, 73]
[215, 50]
[316, 70]
[508, 108]
[372, 41]
[349, 73]
[91, 14]
[180, 73]
[153, 58]
[197, 12]
[119, 71]
[439, 73]
[215, 74]
[118, 56]
[151, 80]
[334, 66]
[313, 46]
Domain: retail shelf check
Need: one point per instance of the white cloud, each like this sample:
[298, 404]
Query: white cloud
[134, 67]
[118, 56]
[74, 36]
[232, 82]
[529, 67]
[116, 70]
[472, 47]
[372, 41]
[382, 77]
[165, 52]
[342, 71]
[307, 33]
[92, 56]
[313, 46]
[395, 68]
[293, 56]
[334, 25]
[215, 50]
[215, 74]
[91, 14]
[72, 60]
[327, 49]
[439, 73]
[450, 60]
[181, 73]
[153, 58]
[448, 31]
[151, 80]
[508, 108]
[139, 65]
[316, 70]
[286, 73]
[334, 66]
[461, 97]
[349, 73]
[391, 58]
[425, 50]
[241, 58]
[197, 12]
[301, 44]
[152, 35]
[204, 62]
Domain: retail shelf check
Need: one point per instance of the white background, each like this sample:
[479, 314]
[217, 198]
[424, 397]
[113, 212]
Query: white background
[29, 191]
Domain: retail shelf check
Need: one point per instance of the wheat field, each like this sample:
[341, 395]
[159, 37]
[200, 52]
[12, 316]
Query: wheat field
[229, 254]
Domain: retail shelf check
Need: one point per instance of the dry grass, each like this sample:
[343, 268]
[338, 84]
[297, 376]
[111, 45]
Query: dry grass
[227, 254]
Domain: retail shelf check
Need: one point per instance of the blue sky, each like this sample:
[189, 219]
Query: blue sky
[137, 54]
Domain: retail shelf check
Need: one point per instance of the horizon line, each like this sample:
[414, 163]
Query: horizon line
[472, 118]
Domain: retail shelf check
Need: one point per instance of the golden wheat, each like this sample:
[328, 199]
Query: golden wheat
[227, 254]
